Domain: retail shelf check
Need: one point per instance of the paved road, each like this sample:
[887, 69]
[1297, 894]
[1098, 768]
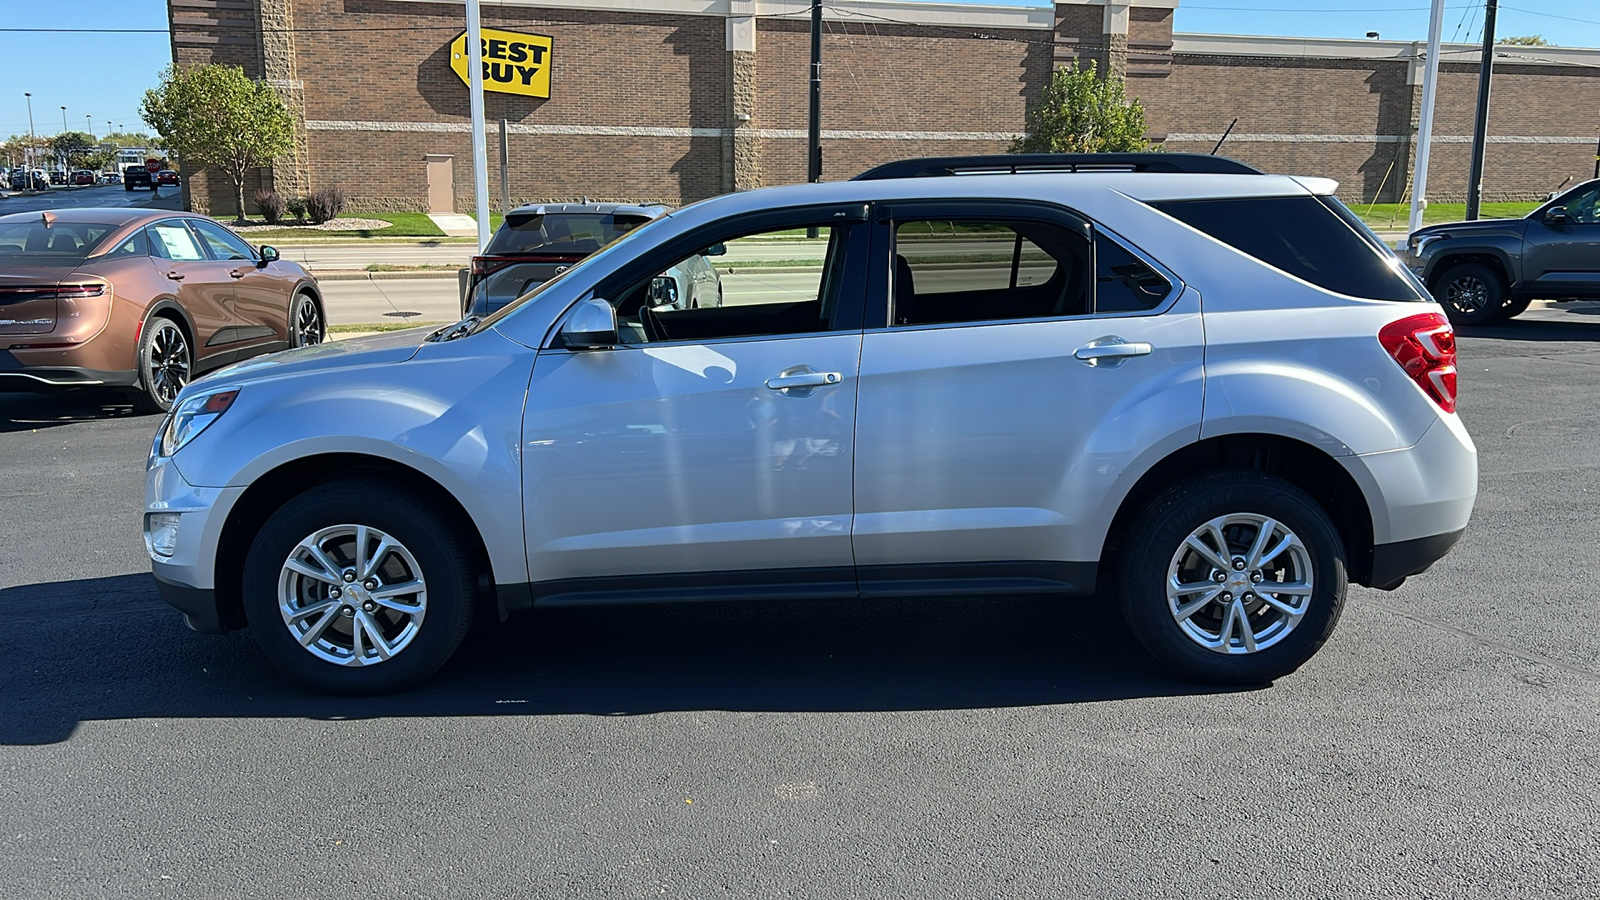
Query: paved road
[1444, 743]
[383, 300]
[108, 195]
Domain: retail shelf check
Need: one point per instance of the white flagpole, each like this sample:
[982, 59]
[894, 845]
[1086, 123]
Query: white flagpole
[480, 148]
[1430, 83]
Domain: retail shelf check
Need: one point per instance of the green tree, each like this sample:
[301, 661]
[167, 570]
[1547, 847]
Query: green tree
[211, 115]
[79, 150]
[130, 139]
[1079, 112]
[1524, 40]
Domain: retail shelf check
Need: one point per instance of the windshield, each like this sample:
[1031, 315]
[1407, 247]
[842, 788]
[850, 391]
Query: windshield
[563, 233]
[57, 240]
[580, 266]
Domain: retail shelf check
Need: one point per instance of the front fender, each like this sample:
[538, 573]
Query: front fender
[453, 416]
[1443, 254]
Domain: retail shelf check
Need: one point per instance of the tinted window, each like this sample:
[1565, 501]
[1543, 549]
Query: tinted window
[171, 240]
[574, 234]
[1123, 283]
[133, 246]
[784, 282]
[67, 240]
[1300, 236]
[1583, 206]
[975, 271]
[223, 243]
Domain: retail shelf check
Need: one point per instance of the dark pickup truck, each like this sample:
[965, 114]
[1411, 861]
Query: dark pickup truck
[1491, 269]
[137, 176]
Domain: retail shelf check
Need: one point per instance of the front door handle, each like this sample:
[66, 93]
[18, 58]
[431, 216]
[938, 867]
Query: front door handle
[801, 379]
[1111, 351]
[175, 276]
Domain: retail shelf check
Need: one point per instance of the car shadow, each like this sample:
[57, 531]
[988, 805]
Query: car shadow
[1577, 323]
[108, 648]
[30, 412]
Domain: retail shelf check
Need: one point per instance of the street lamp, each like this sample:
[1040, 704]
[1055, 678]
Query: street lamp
[28, 156]
[90, 126]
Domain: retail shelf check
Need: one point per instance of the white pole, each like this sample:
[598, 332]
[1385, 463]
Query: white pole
[480, 148]
[1430, 84]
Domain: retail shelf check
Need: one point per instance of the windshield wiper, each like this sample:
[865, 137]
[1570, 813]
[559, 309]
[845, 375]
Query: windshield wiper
[460, 329]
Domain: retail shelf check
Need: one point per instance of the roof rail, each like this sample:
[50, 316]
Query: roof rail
[1015, 163]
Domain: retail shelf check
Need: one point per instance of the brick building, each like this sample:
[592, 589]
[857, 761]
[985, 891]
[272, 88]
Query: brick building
[675, 100]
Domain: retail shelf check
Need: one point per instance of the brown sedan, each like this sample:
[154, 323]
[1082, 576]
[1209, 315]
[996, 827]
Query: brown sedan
[143, 299]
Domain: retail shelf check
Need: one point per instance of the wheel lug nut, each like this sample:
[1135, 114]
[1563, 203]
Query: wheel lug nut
[1220, 577]
[370, 584]
[1238, 564]
[1256, 577]
[1225, 597]
[335, 593]
[349, 575]
[369, 606]
[349, 612]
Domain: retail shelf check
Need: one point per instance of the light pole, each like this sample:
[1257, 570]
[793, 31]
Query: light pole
[90, 125]
[28, 156]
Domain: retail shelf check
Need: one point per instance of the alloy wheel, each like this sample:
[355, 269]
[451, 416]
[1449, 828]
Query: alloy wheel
[1466, 294]
[1239, 583]
[307, 323]
[166, 362]
[352, 595]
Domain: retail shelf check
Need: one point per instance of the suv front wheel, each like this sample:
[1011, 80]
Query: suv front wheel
[358, 587]
[1233, 577]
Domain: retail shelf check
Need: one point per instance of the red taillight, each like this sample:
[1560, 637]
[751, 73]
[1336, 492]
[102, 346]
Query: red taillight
[480, 266]
[1425, 347]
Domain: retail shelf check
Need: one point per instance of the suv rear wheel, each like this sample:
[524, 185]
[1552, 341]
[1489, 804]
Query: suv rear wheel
[1471, 294]
[1233, 577]
[358, 587]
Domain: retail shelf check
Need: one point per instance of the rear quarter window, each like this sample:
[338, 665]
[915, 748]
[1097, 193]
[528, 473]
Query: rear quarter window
[1306, 237]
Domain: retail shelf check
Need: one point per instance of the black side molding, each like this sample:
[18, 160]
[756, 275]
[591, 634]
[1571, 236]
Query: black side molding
[1393, 563]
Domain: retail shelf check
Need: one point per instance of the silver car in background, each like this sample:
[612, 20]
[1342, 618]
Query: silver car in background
[1206, 393]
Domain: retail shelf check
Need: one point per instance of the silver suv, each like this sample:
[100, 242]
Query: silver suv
[1209, 393]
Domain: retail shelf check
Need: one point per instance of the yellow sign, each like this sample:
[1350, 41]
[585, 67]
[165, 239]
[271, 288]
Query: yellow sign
[512, 63]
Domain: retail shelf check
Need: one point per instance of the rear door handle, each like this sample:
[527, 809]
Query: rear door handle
[175, 276]
[802, 377]
[1111, 351]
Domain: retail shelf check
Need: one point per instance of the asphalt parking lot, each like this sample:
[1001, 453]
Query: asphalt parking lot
[1444, 744]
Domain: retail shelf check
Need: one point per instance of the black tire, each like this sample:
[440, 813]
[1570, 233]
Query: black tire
[1515, 307]
[165, 365]
[306, 325]
[1153, 550]
[1471, 293]
[430, 537]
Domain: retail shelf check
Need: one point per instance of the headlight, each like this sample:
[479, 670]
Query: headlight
[191, 418]
[1419, 242]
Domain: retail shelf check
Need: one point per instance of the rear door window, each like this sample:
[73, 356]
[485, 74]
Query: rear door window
[171, 240]
[1303, 236]
[567, 234]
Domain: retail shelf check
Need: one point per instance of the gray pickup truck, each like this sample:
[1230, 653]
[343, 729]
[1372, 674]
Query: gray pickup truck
[1491, 269]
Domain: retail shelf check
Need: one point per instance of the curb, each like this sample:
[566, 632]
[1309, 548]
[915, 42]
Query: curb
[363, 275]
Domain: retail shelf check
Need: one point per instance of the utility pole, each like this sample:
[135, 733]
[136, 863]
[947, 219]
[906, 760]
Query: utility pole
[505, 169]
[814, 142]
[1480, 125]
[1430, 84]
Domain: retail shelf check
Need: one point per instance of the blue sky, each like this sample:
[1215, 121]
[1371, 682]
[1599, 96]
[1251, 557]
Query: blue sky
[103, 76]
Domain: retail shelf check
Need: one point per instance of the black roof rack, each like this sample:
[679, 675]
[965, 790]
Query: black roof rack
[1014, 163]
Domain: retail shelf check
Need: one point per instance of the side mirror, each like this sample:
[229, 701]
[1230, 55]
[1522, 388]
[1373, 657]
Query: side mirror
[1556, 215]
[591, 326]
[268, 254]
[663, 291]
[715, 250]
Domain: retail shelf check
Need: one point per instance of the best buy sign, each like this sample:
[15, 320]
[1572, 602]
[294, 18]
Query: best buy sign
[512, 63]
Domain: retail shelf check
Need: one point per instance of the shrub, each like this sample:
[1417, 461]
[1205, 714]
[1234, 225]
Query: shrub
[271, 205]
[324, 205]
[296, 207]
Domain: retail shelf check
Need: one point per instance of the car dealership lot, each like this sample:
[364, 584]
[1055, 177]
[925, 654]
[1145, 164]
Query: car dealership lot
[1444, 743]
